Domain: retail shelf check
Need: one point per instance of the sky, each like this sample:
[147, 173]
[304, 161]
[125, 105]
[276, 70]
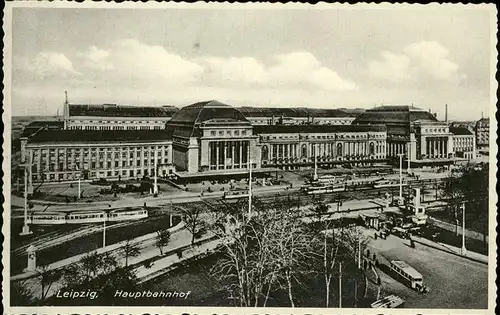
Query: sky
[350, 57]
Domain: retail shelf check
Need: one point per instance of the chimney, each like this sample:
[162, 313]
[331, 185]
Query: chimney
[446, 113]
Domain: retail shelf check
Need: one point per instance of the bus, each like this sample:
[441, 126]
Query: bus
[391, 301]
[413, 277]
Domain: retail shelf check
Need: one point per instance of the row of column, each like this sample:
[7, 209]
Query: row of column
[323, 149]
[436, 147]
[228, 154]
[394, 149]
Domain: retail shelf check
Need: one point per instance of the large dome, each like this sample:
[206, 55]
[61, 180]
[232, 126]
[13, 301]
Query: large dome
[187, 120]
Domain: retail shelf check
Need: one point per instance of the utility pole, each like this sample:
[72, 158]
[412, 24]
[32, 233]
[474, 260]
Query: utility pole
[315, 176]
[249, 186]
[104, 233]
[340, 285]
[409, 156]
[171, 212]
[400, 175]
[359, 252]
[155, 187]
[25, 164]
[464, 250]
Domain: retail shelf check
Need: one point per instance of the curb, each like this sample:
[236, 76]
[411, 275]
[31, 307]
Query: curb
[451, 252]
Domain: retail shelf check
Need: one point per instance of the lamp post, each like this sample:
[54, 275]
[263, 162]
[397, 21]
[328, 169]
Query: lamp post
[340, 285]
[400, 175]
[26, 164]
[464, 250]
[409, 156]
[249, 186]
[26, 228]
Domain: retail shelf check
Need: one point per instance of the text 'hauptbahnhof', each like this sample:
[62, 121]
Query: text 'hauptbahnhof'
[208, 139]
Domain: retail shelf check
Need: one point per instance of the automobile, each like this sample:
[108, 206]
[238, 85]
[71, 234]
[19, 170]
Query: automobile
[400, 232]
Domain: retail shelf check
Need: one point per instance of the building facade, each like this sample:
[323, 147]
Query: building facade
[414, 133]
[464, 143]
[211, 136]
[291, 147]
[68, 155]
[482, 130]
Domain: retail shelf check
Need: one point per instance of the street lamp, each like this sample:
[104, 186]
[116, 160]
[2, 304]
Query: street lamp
[26, 228]
[464, 250]
[400, 175]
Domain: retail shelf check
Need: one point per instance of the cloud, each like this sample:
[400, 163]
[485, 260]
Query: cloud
[245, 70]
[50, 63]
[432, 59]
[422, 60]
[96, 58]
[393, 67]
[296, 69]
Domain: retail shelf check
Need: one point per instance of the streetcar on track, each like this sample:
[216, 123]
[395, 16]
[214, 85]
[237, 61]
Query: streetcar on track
[83, 217]
[235, 195]
[381, 183]
[325, 189]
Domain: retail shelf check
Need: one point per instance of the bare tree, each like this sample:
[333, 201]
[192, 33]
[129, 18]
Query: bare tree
[130, 249]
[328, 246]
[162, 239]
[192, 219]
[261, 253]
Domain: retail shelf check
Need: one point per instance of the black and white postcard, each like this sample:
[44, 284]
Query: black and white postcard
[217, 158]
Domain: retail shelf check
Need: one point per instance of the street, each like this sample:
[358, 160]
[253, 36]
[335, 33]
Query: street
[454, 282]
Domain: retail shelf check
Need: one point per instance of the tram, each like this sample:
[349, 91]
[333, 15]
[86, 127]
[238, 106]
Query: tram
[324, 189]
[380, 183]
[235, 195]
[84, 217]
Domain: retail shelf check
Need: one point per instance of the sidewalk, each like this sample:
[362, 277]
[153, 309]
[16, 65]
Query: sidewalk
[147, 239]
[180, 239]
[452, 249]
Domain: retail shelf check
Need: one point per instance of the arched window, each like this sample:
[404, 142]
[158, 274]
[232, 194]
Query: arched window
[304, 150]
[372, 148]
[339, 149]
[265, 153]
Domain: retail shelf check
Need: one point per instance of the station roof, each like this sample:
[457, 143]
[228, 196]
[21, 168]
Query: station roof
[262, 129]
[36, 125]
[113, 110]
[296, 112]
[394, 114]
[59, 136]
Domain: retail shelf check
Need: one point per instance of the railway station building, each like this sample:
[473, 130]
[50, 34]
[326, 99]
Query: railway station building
[414, 132]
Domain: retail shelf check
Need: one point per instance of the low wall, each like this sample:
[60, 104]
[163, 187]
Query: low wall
[452, 228]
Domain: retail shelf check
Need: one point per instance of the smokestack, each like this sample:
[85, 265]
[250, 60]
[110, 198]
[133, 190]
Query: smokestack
[481, 115]
[446, 113]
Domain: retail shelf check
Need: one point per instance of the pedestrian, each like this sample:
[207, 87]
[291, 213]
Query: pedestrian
[375, 235]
